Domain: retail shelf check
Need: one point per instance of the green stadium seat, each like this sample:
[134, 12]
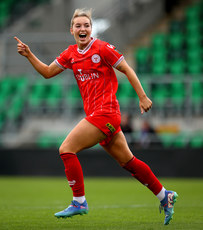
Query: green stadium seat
[52, 101]
[45, 140]
[4, 9]
[177, 93]
[197, 101]
[197, 87]
[193, 27]
[40, 89]
[34, 101]
[159, 55]
[160, 95]
[160, 100]
[21, 83]
[167, 139]
[124, 93]
[193, 55]
[142, 55]
[3, 20]
[158, 41]
[195, 67]
[177, 101]
[3, 102]
[126, 88]
[197, 94]
[10, 3]
[177, 86]
[11, 93]
[176, 41]
[73, 97]
[2, 120]
[19, 8]
[54, 95]
[124, 101]
[50, 140]
[177, 67]
[146, 87]
[196, 141]
[6, 86]
[16, 108]
[192, 12]
[193, 41]
[159, 68]
[37, 94]
[181, 140]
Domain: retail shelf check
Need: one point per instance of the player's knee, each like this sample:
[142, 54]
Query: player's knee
[61, 149]
[64, 149]
[67, 147]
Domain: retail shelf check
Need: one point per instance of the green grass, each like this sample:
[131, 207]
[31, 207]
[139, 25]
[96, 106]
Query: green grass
[115, 203]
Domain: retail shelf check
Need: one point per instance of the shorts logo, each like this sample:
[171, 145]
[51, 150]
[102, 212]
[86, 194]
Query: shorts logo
[110, 127]
[96, 58]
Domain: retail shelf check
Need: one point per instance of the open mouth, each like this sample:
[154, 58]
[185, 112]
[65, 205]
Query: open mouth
[82, 35]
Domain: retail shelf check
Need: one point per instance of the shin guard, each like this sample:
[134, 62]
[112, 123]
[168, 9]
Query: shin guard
[144, 174]
[74, 173]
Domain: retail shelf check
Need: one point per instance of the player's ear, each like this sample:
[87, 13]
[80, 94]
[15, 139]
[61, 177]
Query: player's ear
[71, 30]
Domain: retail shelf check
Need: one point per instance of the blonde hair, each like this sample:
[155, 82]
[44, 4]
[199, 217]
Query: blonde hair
[82, 13]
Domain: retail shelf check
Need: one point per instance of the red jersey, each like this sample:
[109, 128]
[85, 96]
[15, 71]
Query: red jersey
[93, 71]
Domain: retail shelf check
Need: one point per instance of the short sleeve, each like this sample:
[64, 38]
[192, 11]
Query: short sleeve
[63, 61]
[111, 55]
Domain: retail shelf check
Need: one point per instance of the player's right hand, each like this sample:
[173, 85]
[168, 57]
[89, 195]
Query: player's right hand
[23, 49]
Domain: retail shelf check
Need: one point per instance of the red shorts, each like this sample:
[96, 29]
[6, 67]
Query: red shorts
[108, 123]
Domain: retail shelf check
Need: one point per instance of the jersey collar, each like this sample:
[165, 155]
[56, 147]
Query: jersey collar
[88, 46]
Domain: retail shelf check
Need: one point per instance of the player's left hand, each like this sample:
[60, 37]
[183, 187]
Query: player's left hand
[145, 104]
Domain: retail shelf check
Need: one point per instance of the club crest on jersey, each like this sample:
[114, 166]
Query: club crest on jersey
[96, 58]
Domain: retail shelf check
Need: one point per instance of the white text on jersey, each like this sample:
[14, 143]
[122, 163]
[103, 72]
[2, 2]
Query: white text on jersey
[86, 76]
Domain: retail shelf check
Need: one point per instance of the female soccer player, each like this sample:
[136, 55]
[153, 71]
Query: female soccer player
[92, 62]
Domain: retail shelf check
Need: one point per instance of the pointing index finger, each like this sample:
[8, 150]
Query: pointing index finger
[18, 40]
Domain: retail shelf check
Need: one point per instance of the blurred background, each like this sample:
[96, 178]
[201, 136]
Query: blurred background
[161, 39]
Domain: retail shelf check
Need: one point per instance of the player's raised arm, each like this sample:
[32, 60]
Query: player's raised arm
[45, 70]
[145, 103]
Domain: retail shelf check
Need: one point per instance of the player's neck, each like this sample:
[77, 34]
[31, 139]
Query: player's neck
[82, 46]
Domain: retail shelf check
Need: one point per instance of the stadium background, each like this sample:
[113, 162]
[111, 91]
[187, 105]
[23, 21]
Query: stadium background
[161, 40]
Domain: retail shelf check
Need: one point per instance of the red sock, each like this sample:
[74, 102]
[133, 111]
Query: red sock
[144, 174]
[74, 174]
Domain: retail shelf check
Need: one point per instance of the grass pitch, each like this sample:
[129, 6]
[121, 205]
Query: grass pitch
[115, 203]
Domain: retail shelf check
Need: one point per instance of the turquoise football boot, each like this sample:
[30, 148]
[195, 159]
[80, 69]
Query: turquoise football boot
[74, 208]
[167, 204]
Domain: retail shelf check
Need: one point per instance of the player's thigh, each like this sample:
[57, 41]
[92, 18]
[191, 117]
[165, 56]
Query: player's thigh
[84, 135]
[118, 149]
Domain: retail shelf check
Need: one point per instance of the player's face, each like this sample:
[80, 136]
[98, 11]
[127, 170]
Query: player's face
[81, 31]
